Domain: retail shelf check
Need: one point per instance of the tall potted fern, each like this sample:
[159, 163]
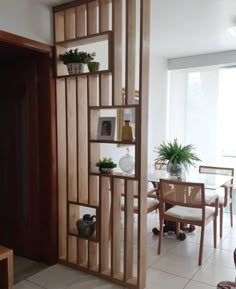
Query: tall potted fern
[176, 156]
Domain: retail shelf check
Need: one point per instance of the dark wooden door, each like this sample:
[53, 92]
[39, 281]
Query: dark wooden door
[19, 157]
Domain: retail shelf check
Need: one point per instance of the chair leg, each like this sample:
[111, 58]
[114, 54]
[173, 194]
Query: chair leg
[177, 229]
[221, 221]
[160, 237]
[201, 246]
[231, 214]
[215, 231]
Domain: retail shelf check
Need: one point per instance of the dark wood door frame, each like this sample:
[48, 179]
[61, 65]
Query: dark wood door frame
[47, 135]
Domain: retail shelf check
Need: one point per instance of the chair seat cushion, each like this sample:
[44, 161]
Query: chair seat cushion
[193, 214]
[150, 203]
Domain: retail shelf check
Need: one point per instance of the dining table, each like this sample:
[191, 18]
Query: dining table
[212, 182]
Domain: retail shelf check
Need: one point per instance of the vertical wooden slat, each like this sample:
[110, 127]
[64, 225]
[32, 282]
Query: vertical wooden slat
[82, 252]
[116, 217]
[61, 68]
[72, 136]
[81, 20]
[130, 50]
[62, 164]
[70, 24]
[144, 92]
[72, 249]
[117, 52]
[92, 17]
[104, 15]
[59, 26]
[82, 140]
[93, 256]
[105, 221]
[129, 228]
[105, 89]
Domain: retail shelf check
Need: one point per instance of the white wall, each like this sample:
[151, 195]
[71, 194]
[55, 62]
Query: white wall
[157, 112]
[26, 18]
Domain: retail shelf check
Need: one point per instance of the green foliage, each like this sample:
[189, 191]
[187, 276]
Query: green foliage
[73, 56]
[106, 163]
[176, 154]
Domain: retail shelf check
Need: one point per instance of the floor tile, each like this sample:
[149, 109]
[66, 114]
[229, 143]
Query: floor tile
[161, 280]
[198, 285]
[223, 258]
[57, 277]
[228, 244]
[24, 268]
[92, 282]
[178, 265]
[26, 285]
[191, 250]
[213, 274]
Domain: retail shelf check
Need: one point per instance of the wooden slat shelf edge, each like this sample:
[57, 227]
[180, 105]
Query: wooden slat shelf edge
[92, 238]
[84, 204]
[97, 37]
[114, 106]
[84, 74]
[114, 175]
[97, 274]
[113, 142]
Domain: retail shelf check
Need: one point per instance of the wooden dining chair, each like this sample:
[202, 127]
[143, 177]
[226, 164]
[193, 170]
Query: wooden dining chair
[225, 193]
[152, 204]
[187, 201]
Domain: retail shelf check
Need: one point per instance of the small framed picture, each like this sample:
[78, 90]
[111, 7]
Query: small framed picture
[106, 128]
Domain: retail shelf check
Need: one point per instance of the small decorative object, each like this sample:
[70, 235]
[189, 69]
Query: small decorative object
[106, 165]
[93, 66]
[86, 226]
[177, 157]
[75, 60]
[127, 134]
[126, 163]
[106, 128]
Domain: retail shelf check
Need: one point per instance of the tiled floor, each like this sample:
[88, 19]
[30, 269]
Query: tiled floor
[175, 268]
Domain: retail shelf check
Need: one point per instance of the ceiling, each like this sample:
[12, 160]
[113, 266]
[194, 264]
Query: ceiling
[188, 27]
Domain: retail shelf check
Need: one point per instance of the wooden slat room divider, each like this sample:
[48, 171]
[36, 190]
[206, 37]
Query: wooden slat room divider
[117, 250]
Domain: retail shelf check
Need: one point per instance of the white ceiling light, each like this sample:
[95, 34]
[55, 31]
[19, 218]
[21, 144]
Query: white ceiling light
[232, 31]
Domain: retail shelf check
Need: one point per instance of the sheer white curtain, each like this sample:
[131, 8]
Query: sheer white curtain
[193, 103]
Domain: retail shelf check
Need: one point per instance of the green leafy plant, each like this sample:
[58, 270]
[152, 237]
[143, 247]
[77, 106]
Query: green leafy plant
[106, 163]
[73, 56]
[176, 154]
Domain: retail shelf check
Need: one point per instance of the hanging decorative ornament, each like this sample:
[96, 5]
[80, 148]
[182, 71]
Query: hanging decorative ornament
[126, 163]
[127, 133]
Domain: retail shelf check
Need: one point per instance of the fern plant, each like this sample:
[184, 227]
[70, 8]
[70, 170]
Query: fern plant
[176, 154]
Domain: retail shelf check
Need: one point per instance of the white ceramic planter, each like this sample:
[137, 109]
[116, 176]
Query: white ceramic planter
[75, 68]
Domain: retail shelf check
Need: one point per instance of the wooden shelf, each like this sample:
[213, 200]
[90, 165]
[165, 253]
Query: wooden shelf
[113, 142]
[114, 175]
[84, 204]
[92, 238]
[84, 74]
[92, 38]
[114, 106]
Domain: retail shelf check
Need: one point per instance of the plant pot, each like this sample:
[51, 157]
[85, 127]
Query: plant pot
[93, 66]
[175, 171]
[75, 68]
[105, 170]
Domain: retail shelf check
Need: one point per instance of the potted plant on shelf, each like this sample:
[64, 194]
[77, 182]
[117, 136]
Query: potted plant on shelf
[176, 156]
[75, 60]
[93, 66]
[106, 165]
